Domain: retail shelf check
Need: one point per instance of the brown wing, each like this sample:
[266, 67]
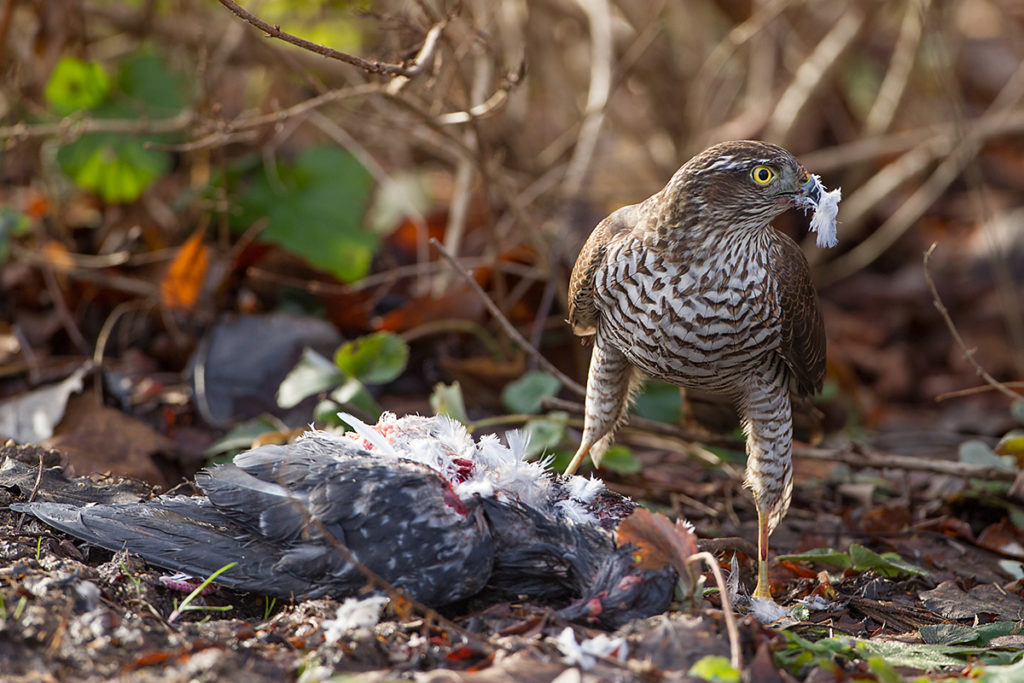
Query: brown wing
[803, 330]
[583, 313]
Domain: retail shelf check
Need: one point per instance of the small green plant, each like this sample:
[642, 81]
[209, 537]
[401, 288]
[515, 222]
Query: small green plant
[376, 358]
[134, 579]
[859, 558]
[268, 606]
[20, 607]
[186, 604]
[39, 548]
[117, 167]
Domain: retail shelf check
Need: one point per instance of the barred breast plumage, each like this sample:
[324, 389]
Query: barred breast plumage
[694, 287]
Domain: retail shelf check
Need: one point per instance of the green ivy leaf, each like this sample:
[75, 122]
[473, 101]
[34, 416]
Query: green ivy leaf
[525, 394]
[314, 208]
[715, 669]
[545, 432]
[620, 459]
[151, 86]
[311, 375]
[354, 394]
[955, 634]
[660, 402]
[76, 84]
[887, 564]
[117, 168]
[976, 452]
[374, 359]
[822, 555]
[240, 438]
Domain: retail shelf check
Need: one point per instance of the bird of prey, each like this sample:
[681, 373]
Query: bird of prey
[414, 500]
[694, 287]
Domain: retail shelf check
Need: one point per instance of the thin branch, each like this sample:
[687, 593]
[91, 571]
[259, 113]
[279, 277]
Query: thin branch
[890, 93]
[970, 391]
[601, 58]
[73, 127]
[736, 655]
[426, 53]
[864, 459]
[968, 353]
[811, 74]
[859, 457]
[510, 329]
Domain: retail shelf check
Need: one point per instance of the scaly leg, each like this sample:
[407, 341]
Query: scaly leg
[610, 383]
[768, 422]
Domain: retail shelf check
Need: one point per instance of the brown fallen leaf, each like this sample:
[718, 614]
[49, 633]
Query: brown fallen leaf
[185, 276]
[659, 542]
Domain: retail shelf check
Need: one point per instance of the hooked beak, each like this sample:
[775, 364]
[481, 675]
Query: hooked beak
[811, 188]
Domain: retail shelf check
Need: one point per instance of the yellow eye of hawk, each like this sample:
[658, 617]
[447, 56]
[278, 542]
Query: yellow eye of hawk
[762, 175]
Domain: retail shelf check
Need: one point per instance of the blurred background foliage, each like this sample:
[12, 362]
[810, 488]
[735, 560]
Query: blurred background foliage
[167, 169]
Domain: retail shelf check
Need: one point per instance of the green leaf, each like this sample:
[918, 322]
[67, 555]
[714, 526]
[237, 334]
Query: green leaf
[955, 634]
[545, 432]
[714, 668]
[887, 564]
[117, 168]
[353, 393]
[660, 402]
[525, 394]
[1012, 443]
[1017, 410]
[620, 459]
[311, 375]
[152, 87]
[326, 413]
[978, 453]
[926, 657]
[1013, 673]
[374, 359]
[446, 399]
[822, 555]
[241, 437]
[884, 671]
[314, 208]
[75, 85]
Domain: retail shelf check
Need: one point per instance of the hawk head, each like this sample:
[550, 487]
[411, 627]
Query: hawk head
[741, 184]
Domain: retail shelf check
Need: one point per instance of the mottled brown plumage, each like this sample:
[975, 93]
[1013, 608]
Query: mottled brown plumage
[694, 287]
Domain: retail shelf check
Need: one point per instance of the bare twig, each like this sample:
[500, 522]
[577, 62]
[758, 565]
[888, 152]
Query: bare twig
[601, 56]
[811, 74]
[970, 391]
[736, 655]
[510, 329]
[74, 126]
[863, 458]
[968, 353]
[211, 132]
[34, 493]
[858, 457]
[897, 76]
[416, 67]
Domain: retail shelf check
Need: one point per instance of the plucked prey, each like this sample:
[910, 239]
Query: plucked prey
[694, 287]
[416, 500]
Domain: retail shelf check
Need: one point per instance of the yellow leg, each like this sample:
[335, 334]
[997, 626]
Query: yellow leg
[578, 458]
[763, 589]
